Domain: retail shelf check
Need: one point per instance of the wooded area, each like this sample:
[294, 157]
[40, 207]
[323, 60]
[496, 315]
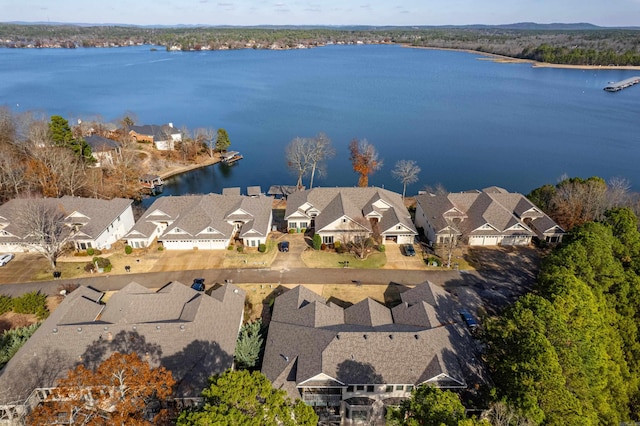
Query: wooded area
[49, 157]
[569, 353]
[575, 45]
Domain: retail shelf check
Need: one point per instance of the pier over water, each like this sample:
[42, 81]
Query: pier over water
[617, 86]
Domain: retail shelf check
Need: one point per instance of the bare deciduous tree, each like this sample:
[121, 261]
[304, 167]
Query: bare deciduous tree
[320, 150]
[355, 235]
[365, 161]
[437, 189]
[297, 158]
[618, 192]
[118, 391]
[42, 221]
[206, 137]
[406, 171]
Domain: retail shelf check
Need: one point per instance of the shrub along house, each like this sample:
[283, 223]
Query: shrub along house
[343, 214]
[351, 363]
[489, 217]
[206, 222]
[96, 223]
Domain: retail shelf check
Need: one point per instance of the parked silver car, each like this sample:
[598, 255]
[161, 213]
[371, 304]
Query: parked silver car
[5, 258]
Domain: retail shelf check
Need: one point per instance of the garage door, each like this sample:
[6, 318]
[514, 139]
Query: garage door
[405, 239]
[483, 240]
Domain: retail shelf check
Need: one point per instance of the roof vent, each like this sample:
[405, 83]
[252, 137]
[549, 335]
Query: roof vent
[416, 336]
[181, 327]
[157, 327]
[235, 291]
[365, 336]
[135, 327]
[106, 328]
[79, 329]
[338, 336]
[391, 336]
[55, 330]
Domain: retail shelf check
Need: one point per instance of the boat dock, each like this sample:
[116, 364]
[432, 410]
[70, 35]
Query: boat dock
[230, 157]
[617, 86]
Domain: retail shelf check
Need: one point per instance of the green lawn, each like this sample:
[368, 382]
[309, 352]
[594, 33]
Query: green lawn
[322, 259]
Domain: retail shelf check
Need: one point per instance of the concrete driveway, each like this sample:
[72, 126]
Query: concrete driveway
[292, 259]
[397, 260]
[22, 268]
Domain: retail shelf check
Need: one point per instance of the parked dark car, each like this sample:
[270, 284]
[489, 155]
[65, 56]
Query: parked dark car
[408, 250]
[468, 319]
[283, 246]
[198, 284]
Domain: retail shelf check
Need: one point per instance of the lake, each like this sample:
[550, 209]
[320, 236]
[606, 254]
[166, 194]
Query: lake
[469, 123]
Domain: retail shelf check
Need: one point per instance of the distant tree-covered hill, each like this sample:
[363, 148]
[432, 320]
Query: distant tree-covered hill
[576, 44]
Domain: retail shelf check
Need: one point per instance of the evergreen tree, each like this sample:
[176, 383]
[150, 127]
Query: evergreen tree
[249, 345]
[241, 398]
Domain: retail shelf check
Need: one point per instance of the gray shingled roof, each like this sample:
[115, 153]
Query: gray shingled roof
[193, 215]
[190, 333]
[94, 214]
[363, 344]
[334, 203]
[101, 144]
[494, 206]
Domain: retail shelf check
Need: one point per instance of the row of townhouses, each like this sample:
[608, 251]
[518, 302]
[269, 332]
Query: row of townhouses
[349, 363]
[489, 217]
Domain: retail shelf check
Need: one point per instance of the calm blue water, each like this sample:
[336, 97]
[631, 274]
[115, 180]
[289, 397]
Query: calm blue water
[468, 123]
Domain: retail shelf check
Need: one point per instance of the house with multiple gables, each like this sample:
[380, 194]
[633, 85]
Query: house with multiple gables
[192, 334]
[163, 137]
[489, 217]
[103, 150]
[206, 222]
[352, 363]
[96, 223]
[343, 214]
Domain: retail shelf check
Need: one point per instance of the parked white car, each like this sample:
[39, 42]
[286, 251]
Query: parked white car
[5, 258]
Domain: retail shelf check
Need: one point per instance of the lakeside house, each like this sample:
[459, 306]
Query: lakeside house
[489, 217]
[351, 363]
[345, 214]
[205, 222]
[104, 150]
[95, 223]
[162, 137]
[190, 333]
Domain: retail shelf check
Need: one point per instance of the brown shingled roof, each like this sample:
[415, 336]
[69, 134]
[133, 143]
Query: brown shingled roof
[190, 333]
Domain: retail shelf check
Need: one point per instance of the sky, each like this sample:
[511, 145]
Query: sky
[323, 12]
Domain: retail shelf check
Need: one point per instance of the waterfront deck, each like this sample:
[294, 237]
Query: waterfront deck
[231, 157]
[619, 85]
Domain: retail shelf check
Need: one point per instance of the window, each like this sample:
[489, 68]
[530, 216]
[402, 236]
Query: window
[349, 388]
[293, 225]
[303, 225]
[408, 388]
[360, 387]
[399, 387]
[370, 388]
[389, 388]
[327, 239]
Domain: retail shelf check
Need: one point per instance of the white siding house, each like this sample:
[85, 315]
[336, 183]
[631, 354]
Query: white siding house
[490, 217]
[97, 223]
[344, 214]
[204, 222]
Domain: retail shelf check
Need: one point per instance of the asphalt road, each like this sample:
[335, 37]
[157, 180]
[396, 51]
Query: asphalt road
[253, 276]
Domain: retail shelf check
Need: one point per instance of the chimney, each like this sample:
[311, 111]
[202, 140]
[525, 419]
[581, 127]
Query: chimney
[171, 125]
